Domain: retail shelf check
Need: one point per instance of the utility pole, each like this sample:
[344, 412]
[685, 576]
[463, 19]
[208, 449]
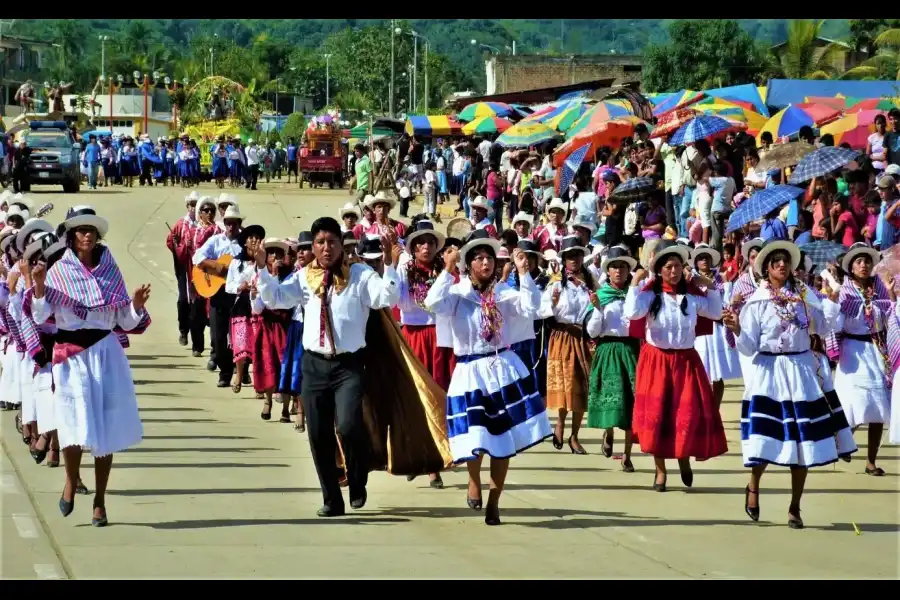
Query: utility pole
[426, 76]
[415, 74]
[327, 82]
[391, 86]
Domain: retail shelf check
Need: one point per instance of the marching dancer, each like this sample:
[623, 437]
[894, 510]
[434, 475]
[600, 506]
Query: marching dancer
[611, 395]
[863, 378]
[241, 273]
[567, 301]
[720, 360]
[204, 228]
[789, 417]
[674, 412]
[338, 298]
[550, 236]
[493, 406]
[270, 330]
[419, 325]
[96, 405]
[533, 352]
[207, 258]
[380, 206]
[178, 243]
[479, 208]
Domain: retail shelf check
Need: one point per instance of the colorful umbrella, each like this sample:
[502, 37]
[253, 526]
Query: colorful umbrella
[701, 128]
[838, 102]
[673, 121]
[633, 190]
[603, 133]
[486, 125]
[485, 109]
[677, 100]
[523, 135]
[564, 120]
[789, 120]
[782, 156]
[570, 167]
[822, 252]
[599, 113]
[874, 104]
[431, 126]
[853, 128]
[760, 204]
[821, 162]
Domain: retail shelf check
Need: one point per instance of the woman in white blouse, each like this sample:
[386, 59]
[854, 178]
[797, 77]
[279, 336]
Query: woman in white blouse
[241, 272]
[674, 412]
[567, 301]
[611, 396]
[96, 405]
[493, 406]
[789, 416]
[863, 379]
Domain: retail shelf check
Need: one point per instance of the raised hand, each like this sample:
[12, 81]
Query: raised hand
[520, 259]
[140, 296]
[451, 258]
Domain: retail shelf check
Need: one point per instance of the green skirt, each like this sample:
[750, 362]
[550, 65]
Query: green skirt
[611, 395]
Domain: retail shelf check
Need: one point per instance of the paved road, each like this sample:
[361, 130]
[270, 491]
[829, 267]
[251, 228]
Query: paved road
[215, 492]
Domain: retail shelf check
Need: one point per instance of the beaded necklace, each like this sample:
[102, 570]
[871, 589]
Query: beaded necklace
[420, 281]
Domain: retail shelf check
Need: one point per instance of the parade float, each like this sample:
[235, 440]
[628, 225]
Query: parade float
[322, 157]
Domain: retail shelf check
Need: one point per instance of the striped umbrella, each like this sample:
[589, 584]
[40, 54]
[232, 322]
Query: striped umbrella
[821, 162]
[564, 121]
[760, 204]
[604, 133]
[435, 125]
[853, 128]
[633, 190]
[677, 100]
[486, 109]
[874, 104]
[837, 102]
[789, 120]
[523, 135]
[599, 113]
[486, 125]
[701, 128]
[570, 167]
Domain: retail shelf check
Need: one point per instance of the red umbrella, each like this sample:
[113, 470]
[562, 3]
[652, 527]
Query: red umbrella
[672, 121]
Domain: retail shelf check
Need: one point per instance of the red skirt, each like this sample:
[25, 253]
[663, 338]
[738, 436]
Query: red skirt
[440, 362]
[674, 412]
[269, 340]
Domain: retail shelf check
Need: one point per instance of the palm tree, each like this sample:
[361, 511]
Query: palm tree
[801, 58]
[885, 63]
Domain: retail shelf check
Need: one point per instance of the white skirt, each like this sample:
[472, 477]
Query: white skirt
[791, 415]
[720, 360]
[96, 406]
[12, 371]
[494, 408]
[860, 384]
[26, 388]
[42, 388]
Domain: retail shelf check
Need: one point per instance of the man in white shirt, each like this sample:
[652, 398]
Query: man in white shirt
[484, 149]
[336, 300]
[252, 164]
[207, 258]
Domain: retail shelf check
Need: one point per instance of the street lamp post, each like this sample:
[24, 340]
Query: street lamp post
[114, 84]
[172, 90]
[391, 86]
[327, 82]
[103, 39]
[146, 85]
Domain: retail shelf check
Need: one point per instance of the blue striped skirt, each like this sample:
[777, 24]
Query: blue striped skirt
[494, 407]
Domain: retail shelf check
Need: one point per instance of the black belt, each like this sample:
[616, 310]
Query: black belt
[858, 337]
[81, 337]
[784, 353]
[332, 356]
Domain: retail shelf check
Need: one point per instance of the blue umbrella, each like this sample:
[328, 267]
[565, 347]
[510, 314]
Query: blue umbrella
[822, 252]
[822, 162]
[760, 204]
[571, 166]
[633, 189]
[700, 128]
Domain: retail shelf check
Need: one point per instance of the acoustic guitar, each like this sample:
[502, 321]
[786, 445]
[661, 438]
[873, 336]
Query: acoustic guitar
[209, 284]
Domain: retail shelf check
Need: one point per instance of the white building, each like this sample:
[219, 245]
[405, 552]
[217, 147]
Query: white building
[127, 115]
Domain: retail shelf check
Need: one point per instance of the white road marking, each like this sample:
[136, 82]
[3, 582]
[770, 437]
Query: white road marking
[26, 525]
[7, 484]
[46, 572]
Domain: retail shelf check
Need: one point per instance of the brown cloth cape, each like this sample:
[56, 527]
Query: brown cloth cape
[404, 410]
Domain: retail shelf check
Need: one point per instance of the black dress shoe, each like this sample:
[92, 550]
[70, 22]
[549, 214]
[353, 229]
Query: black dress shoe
[182, 339]
[357, 503]
[331, 511]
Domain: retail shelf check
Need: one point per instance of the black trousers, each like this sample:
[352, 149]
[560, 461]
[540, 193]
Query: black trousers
[146, 172]
[220, 323]
[332, 390]
[252, 176]
[184, 310]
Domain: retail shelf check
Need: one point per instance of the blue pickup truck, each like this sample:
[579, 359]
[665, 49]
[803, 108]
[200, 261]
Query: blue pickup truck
[54, 156]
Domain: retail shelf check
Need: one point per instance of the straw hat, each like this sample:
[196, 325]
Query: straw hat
[233, 212]
[477, 239]
[714, 256]
[617, 254]
[31, 226]
[773, 245]
[667, 248]
[424, 227]
[856, 250]
[349, 209]
[192, 197]
[557, 203]
[274, 242]
[369, 248]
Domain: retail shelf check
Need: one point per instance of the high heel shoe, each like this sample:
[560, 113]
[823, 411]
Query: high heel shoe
[794, 520]
[557, 443]
[492, 512]
[687, 475]
[40, 455]
[100, 521]
[66, 507]
[660, 487]
[752, 512]
[473, 503]
[574, 451]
